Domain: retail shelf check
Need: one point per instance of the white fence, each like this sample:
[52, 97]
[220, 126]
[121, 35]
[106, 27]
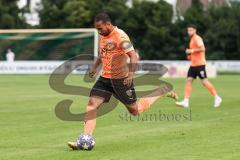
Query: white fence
[221, 66]
[175, 68]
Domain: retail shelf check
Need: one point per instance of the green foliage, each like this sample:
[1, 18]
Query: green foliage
[52, 14]
[9, 15]
[79, 13]
[149, 24]
[152, 30]
[223, 35]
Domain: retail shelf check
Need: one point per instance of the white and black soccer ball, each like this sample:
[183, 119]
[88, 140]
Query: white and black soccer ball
[85, 142]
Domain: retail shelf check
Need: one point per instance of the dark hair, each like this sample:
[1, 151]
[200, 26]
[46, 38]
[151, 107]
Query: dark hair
[102, 17]
[192, 26]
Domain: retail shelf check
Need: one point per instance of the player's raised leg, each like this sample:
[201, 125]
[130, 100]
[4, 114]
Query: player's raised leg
[145, 102]
[126, 94]
[217, 99]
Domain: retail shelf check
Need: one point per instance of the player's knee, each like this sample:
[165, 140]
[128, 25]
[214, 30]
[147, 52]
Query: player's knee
[91, 105]
[133, 111]
[90, 108]
[91, 102]
[205, 82]
[189, 80]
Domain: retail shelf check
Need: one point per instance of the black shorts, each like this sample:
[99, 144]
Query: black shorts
[105, 88]
[198, 71]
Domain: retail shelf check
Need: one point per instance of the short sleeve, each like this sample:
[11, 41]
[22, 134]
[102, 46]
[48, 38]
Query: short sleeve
[199, 42]
[126, 44]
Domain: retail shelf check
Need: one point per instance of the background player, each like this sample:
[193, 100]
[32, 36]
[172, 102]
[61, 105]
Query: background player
[196, 53]
[117, 76]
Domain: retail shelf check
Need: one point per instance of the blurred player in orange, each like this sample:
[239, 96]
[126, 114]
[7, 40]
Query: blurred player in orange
[117, 76]
[196, 54]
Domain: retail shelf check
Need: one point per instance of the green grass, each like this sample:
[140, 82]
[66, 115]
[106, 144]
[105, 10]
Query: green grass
[29, 129]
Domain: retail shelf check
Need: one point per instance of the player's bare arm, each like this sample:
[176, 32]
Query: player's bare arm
[196, 50]
[132, 67]
[93, 70]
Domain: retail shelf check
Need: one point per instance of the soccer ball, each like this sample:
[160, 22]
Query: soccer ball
[85, 142]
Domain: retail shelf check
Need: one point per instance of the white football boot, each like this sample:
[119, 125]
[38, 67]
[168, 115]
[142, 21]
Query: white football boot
[217, 101]
[184, 103]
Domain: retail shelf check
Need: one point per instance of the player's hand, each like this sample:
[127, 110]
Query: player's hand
[189, 51]
[188, 57]
[129, 80]
[92, 72]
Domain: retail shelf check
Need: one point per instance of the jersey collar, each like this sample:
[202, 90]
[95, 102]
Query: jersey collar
[110, 34]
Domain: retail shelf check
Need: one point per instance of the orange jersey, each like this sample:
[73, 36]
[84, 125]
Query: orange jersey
[197, 58]
[113, 49]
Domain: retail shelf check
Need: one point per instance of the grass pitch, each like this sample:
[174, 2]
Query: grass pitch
[29, 129]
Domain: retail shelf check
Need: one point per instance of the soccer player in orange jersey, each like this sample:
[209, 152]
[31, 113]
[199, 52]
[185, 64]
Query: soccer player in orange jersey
[196, 54]
[116, 78]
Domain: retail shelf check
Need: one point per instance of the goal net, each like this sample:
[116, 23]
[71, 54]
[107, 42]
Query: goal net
[48, 44]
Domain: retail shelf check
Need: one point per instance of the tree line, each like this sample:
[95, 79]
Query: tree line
[149, 24]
